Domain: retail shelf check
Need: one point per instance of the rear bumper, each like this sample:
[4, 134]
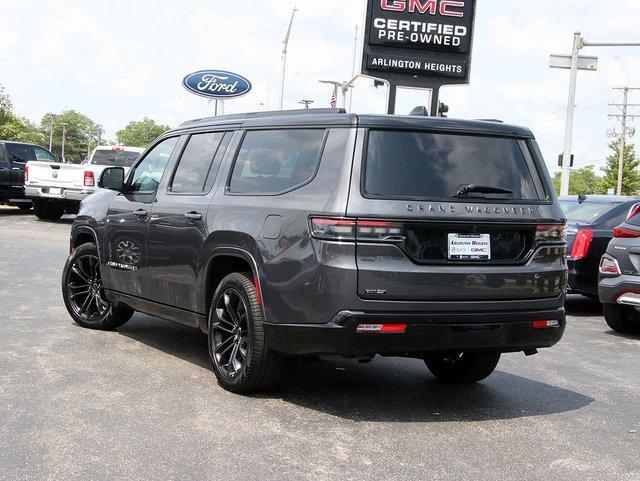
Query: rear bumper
[503, 332]
[67, 194]
[611, 289]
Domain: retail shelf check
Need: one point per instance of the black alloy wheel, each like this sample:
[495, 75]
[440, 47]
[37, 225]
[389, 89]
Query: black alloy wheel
[230, 333]
[84, 289]
[84, 295]
[238, 345]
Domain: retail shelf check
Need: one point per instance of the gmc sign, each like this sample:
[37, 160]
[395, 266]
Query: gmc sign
[419, 43]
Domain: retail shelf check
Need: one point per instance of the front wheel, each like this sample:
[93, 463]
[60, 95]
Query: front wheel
[242, 360]
[623, 319]
[463, 367]
[83, 293]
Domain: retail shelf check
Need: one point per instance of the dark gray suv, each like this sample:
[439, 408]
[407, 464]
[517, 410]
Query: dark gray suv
[320, 233]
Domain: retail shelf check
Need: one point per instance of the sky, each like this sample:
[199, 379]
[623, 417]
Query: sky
[118, 61]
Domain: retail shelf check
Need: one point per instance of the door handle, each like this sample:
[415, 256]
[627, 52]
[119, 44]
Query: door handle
[140, 213]
[193, 216]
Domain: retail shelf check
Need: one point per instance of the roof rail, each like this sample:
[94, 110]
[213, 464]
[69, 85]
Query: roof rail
[495, 121]
[258, 115]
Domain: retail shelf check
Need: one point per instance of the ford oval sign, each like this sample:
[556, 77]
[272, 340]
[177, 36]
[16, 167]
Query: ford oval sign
[217, 84]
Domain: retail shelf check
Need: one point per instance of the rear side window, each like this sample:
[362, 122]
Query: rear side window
[196, 163]
[276, 161]
[43, 155]
[20, 152]
[422, 165]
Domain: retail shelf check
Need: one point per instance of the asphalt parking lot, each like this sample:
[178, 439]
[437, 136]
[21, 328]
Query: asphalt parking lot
[142, 403]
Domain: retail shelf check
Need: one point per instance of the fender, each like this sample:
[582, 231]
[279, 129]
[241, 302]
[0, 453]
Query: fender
[229, 251]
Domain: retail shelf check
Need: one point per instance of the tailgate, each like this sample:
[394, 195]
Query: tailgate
[443, 217]
[56, 175]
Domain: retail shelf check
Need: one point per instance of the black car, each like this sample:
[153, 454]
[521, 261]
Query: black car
[323, 233]
[13, 159]
[591, 221]
[619, 287]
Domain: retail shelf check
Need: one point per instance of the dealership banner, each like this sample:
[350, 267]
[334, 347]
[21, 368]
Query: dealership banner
[419, 42]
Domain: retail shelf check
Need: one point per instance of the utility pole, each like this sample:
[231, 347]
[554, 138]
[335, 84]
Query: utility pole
[575, 62]
[64, 140]
[284, 58]
[624, 117]
[51, 132]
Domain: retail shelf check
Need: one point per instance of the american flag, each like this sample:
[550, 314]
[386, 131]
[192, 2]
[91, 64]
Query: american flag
[334, 99]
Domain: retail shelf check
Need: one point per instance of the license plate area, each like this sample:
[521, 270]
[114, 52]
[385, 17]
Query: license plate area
[469, 247]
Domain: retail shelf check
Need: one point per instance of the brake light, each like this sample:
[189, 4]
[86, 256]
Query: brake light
[546, 324]
[378, 230]
[609, 265]
[581, 245]
[89, 179]
[333, 228]
[26, 173]
[382, 328]
[551, 233]
[625, 233]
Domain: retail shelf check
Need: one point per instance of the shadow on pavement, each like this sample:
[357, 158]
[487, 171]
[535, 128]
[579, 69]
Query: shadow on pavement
[385, 390]
[15, 212]
[580, 306]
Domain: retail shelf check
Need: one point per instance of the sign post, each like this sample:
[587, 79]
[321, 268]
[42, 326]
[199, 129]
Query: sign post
[419, 43]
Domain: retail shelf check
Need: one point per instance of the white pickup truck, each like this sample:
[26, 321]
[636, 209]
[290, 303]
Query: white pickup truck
[56, 188]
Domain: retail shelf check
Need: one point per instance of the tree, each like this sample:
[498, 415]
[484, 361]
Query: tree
[582, 181]
[631, 176]
[16, 128]
[81, 130]
[140, 134]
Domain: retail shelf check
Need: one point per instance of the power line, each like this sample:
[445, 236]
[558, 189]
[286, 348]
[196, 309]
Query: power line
[625, 132]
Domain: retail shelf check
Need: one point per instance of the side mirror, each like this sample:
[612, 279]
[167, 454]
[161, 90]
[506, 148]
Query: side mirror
[112, 179]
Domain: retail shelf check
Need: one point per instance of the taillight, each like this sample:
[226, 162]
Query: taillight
[378, 230]
[625, 233]
[26, 173]
[551, 233]
[581, 245]
[382, 328]
[89, 179]
[333, 228]
[608, 265]
[545, 324]
[351, 229]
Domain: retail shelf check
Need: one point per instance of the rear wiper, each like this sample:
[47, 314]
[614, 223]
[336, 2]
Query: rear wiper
[465, 190]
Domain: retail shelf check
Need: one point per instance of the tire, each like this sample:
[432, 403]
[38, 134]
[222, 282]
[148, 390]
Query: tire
[47, 210]
[463, 367]
[24, 207]
[623, 319]
[83, 293]
[236, 325]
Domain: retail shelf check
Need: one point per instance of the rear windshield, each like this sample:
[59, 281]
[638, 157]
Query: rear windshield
[114, 158]
[422, 165]
[587, 212]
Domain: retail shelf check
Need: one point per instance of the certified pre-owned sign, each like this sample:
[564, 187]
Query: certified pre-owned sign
[418, 42]
[217, 84]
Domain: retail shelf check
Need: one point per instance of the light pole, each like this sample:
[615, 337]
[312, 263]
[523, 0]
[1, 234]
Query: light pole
[344, 87]
[575, 62]
[64, 139]
[306, 103]
[284, 57]
[51, 132]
